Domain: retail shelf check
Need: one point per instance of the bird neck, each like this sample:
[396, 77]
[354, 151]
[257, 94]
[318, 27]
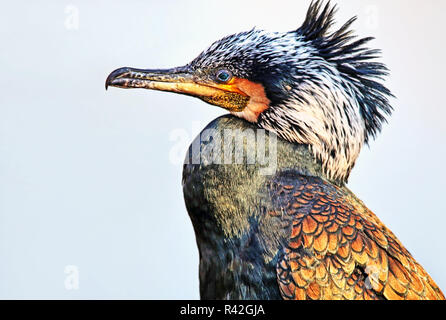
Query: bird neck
[232, 159]
[328, 120]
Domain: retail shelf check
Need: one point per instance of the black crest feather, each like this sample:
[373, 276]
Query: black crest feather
[354, 61]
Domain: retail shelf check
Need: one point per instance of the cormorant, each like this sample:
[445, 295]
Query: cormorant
[297, 232]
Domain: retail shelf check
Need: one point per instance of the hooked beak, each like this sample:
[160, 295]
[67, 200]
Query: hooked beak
[183, 81]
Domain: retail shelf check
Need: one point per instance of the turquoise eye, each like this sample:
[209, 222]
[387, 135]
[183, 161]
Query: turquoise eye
[224, 76]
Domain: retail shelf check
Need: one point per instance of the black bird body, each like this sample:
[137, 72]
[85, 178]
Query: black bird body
[245, 224]
[228, 204]
[292, 230]
[239, 242]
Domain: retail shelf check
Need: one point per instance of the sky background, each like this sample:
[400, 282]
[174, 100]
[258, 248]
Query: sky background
[91, 203]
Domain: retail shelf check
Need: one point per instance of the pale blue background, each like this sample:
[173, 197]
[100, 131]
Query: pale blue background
[85, 175]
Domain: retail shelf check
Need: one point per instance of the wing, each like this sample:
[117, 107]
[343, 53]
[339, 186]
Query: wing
[338, 249]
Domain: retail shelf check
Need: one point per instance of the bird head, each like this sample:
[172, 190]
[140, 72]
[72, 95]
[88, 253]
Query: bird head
[310, 86]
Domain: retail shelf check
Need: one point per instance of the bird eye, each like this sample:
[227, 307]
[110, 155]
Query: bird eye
[224, 76]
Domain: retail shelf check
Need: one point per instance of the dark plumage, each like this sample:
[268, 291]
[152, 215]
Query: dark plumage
[292, 235]
[288, 227]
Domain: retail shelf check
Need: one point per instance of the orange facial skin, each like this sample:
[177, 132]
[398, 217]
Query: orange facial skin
[258, 101]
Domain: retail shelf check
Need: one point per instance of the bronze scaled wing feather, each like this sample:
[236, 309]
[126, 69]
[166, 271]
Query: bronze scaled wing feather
[338, 249]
